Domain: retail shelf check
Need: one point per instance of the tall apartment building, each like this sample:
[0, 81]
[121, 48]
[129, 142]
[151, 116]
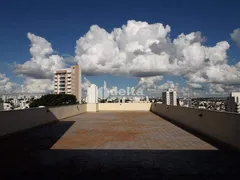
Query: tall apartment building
[233, 102]
[169, 97]
[92, 94]
[68, 81]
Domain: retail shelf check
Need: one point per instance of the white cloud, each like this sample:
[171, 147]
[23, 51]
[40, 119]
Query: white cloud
[238, 65]
[85, 84]
[43, 62]
[222, 89]
[235, 35]
[136, 49]
[141, 49]
[195, 85]
[6, 86]
[123, 51]
[38, 71]
[216, 88]
[148, 83]
[168, 85]
[37, 86]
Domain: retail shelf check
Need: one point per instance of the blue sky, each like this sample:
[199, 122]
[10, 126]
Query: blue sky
[63, 22]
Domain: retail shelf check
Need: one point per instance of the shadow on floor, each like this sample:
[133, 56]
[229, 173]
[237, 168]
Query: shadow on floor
[124, 164]
[28, 156]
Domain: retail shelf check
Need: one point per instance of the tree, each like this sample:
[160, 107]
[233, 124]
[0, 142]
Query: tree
[54, 100]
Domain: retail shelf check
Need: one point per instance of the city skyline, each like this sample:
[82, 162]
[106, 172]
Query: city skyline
[154, 54]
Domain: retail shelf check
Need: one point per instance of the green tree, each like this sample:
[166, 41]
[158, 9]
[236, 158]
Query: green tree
[54, 100]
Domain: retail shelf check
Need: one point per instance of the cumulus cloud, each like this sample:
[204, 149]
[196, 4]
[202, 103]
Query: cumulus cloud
[141, 49]
[235, 35]
[38, 71]
[168, 85]
[43, 62]
[195, 85]
[136, 49]
[37, 86]
[190, 93]
[222, 89]
[85, 84]
[6, 86]
[147, 83]
[123, 51]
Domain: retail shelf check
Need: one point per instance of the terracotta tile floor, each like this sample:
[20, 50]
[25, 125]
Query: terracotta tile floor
[126, 130]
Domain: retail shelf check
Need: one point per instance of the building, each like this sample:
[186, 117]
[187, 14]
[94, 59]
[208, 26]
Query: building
[185, 102]
[92, 94]
[169, 97]
[7, 106]
[68, 81]
[233, 102]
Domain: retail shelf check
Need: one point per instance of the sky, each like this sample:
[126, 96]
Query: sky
[193, 47]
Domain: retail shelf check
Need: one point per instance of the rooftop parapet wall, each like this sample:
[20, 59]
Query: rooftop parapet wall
[124, 106]
[62, 112]
[19, 120]
[220, 126]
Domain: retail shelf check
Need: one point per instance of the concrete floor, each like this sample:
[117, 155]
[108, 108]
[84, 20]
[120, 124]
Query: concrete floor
[114, 145]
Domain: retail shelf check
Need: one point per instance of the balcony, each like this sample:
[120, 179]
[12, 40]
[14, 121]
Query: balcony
[124, 141]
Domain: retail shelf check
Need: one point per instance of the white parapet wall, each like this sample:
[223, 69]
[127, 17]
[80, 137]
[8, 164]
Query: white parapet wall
[92, 107]
[124, 106]
[221, 126]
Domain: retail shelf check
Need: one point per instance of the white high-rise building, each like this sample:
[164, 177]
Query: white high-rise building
[123, 100]
[233, 102]
[92, 94]
[169, 97]
[68, 81]
[147, 99]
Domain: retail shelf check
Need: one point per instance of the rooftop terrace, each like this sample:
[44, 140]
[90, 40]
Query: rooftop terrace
[115, 145]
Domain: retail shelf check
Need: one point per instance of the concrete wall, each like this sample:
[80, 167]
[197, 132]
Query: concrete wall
[92, 107]
[62, 112]
[124, 106]
[18, 120]
[221, 126]
[118, 107]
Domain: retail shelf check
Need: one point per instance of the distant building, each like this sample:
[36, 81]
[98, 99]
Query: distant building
[233, 102]
[92, 94]
[68, 81]
[185, 102]
[1, 105]
[147, 99]
[169, 97]
[7, 107]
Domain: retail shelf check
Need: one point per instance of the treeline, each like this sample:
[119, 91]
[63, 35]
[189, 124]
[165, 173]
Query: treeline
[54, 100]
